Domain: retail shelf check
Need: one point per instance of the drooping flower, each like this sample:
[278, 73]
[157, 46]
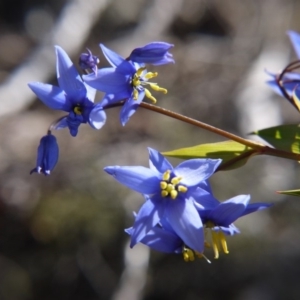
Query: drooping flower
[163, 238]
[155, 53]
[125, 80]
[288, 84]
[47, 155]
[72, 96]
[218, 217]
[171, 195]
[88, 61]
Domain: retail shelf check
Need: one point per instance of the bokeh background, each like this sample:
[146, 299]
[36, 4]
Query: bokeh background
[62, 236]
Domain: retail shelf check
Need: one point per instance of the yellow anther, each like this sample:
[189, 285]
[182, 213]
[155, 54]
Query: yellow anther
[166, 175]
[163, 185]
[176, 180]
[215, 244]
[150, 75]
[173, 194]
[188, 254]
[136, 81]
[77, 110]
[135, 94]
[182, 189]
[170, 187]
[140, 71]
[149, 95]
[164, 193]
[222, 239]
[157, 88]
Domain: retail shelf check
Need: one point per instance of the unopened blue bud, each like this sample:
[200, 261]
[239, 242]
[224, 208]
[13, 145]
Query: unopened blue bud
[155, 53]
[47, 155]
[88, 61]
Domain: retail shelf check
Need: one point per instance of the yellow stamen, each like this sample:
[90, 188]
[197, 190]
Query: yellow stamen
[135, 94]
[149, 95]
[164, 193]
[166, 175]
[173, 194]
[157, 88]
[170, 187]
[176, 180]
[222, 239]
[77, 110]
[150, 75]
[140, 71]
[182, 189]
[188, 254]
[163, 185]
[215, 244]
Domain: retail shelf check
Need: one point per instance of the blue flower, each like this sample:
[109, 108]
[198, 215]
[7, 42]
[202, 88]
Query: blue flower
[290, 81]
[47, 155]
[72, 96]
[171, 195]
[88, 61]
[155, 53]
[125, 80]
[218, 217]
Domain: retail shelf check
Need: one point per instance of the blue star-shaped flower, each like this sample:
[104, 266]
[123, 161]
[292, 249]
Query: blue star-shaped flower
[125, 80]
[171, 192]
[218, 217]
[72, 96]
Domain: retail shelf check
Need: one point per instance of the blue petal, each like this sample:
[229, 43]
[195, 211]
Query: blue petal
[148, 216]
[112, 57]
[90, 93]
[194, 171]
[253, 207]
[229, 230]
[129, 108]
[186, 222]
[228, 211]
[158, 162]
[295, 39]
[97, 117]
[205, 199]
[162, 240]
[140, 179]
[117, 61]
[52, 96]
[68, 77]
[60, 124]
[109, 80]
[155, 53]
[109, 99]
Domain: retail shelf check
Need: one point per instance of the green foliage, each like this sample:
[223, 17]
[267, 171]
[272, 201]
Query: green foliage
[233, 154]
[283, 137]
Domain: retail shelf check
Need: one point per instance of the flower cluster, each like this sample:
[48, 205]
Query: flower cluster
[179, 206]
[180, 213]
[124, 82]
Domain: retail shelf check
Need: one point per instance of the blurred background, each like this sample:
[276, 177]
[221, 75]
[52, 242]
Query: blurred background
[62, 236]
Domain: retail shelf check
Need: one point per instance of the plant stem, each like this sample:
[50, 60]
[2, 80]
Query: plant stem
[228, 135]
[257, 148]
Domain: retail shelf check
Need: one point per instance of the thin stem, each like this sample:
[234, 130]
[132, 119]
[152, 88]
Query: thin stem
[228, 135]
[257, 148]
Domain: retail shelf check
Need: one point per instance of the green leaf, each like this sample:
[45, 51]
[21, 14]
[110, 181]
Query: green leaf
[233, 154]
[290, 192]
[284, 137]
